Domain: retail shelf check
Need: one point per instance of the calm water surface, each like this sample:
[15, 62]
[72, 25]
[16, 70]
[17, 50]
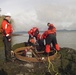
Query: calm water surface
[65, 39]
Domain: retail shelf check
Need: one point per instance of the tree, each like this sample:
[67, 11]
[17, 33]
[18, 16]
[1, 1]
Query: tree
[0, 12]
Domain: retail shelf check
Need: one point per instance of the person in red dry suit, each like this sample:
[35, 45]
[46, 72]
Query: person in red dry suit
[6, 28]
[50, 37]
[34, 33]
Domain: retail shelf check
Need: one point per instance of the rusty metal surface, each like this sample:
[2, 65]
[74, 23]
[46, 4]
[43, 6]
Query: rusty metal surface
[31, 59]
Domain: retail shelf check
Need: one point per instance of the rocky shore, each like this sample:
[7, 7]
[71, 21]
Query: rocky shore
[64, 65]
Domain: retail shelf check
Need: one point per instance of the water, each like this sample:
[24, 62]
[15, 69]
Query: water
[65, 39]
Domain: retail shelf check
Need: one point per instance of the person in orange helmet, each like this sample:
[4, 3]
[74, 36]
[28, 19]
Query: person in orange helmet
[50, 37]
[7, 30]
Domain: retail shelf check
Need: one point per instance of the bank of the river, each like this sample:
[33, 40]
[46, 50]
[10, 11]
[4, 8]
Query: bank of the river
[64, 65]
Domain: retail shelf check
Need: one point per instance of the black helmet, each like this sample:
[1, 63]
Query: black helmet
[48, 24]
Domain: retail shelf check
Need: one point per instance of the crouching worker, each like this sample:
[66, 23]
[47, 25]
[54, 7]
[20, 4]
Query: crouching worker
[35, 38]
[50, 37]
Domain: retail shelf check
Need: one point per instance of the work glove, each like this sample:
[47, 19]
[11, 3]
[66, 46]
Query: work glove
[8, 38]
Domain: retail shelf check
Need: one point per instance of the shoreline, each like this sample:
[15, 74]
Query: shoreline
[28, 68]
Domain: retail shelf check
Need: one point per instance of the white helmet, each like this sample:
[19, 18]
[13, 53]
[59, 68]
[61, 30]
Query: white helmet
[7, 14]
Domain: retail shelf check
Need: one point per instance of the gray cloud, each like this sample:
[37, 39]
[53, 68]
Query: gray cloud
[29, 13]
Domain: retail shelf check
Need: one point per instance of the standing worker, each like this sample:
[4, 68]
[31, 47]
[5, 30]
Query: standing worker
[50, 37]
[7, 31]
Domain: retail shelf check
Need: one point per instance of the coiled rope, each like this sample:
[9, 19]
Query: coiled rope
[51, 64]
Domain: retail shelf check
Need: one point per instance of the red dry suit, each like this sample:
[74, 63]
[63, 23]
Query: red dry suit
[34, 32]
[7, 31]
[6, 28]
[50, 37]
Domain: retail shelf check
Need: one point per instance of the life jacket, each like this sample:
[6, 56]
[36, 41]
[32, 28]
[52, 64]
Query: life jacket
[34, 31]
[51, 26]
[51, 30]
[38, 37]
[30, 32]
[44, 35]
[6, 28]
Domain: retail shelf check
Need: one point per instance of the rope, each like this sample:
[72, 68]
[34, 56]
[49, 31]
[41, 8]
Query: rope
[51, 64]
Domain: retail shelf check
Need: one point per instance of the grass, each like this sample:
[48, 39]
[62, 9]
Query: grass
[1, 18]
[1, 41]
[18, 46]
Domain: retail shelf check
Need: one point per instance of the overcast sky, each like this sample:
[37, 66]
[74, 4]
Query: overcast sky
[29, 13]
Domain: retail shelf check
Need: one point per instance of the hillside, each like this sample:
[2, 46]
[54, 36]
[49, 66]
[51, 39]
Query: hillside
[1, 18]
